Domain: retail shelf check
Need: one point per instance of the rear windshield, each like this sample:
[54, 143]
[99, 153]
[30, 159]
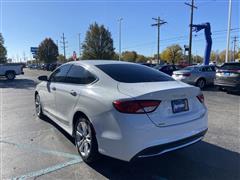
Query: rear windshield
[233, 66]
[190, 68]
[133, 73]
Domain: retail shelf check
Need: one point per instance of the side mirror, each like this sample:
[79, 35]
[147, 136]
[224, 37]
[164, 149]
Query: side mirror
[43, 78]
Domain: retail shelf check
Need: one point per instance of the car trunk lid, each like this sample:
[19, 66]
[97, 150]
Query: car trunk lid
[170, 93]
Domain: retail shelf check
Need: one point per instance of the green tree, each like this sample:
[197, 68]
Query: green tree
[130, 56]
[141, 58]
[197, 59]
[214, 55]
[238, 54]
[115, 56]
[172, 53]
[3, 51]
[98, 43]
[222, 56]
[47, 51]
[61, 58]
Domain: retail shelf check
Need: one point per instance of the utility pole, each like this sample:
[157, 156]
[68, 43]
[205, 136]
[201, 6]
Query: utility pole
[64, 42]
[158, 23]
[120, 38]
[57, 44]
[79, 44]
[234, 46]
[190, 33]
[229, 29]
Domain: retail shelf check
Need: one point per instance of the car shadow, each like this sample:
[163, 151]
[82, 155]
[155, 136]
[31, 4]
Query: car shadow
[48, 120]
[199, 161]
[215, 89]
[210, 88]
[17, 83]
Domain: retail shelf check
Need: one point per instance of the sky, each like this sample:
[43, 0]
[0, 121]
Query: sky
[25, 23]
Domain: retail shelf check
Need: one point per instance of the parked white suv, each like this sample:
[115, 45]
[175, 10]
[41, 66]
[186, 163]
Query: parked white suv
[123, 110]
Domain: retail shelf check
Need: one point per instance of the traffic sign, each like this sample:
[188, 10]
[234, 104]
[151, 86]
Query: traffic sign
[34, 50]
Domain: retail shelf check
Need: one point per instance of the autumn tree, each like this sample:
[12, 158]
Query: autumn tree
[198, 59]
[130, 56]
[61, 58]
[172, 53]
[141, 58]
[98, 43]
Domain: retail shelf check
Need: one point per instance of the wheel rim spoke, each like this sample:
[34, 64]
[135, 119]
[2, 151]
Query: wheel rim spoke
[81, 147]
[38, 105]
[86, 148]
[83, 138]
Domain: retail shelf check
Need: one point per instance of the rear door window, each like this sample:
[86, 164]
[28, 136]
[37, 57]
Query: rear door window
[79, 75]
[231, 66]
[59, 74]
[133, 73]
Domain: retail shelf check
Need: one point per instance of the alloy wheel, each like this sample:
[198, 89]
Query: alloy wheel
[38, 105]
[84, 138]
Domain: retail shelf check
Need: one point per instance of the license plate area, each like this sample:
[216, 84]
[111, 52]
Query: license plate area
[179, 105]
[227, 74]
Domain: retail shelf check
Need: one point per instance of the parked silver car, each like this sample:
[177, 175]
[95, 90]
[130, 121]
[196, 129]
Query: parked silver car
[199, 75]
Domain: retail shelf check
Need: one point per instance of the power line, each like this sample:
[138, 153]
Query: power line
[158, 23]
[177, 38]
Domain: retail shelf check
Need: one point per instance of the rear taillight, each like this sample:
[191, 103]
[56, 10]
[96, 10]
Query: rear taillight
[187, 74]
[201, 98]
[136, 106]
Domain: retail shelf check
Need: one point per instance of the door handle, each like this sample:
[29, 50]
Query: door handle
[53, 88]
[73, 93]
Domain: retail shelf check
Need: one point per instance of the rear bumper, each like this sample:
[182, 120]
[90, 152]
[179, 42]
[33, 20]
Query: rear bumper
[164, 148]
[184, 79]
[227, 85]
[130, 138]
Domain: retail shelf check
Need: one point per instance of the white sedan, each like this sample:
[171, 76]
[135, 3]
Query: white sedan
[122, 110]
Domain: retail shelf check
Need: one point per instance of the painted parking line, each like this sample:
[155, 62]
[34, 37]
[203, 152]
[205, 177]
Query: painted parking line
[38, 149]
[48, 170]
[74, 159]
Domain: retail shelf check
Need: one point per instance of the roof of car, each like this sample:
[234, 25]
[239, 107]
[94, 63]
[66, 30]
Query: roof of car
[201, 65]
[99, 62]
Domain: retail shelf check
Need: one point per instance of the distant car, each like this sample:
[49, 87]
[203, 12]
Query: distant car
[200, 75]
[228, 77]
[120, 109]
[11, 70]
[148, 64]
[53, 66]
[168, 69]
[31, 66]
[43, 66]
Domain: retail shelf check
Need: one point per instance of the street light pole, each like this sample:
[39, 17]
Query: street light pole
[120, 38]
[229, 29]
[79, 44]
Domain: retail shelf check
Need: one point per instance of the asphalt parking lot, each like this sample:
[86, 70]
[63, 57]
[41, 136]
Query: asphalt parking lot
[39, 149]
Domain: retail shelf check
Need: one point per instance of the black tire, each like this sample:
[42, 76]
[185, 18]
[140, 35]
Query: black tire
[38, 106]
[201, 83]
[219, 88]
[10, 75]
[82, 141]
